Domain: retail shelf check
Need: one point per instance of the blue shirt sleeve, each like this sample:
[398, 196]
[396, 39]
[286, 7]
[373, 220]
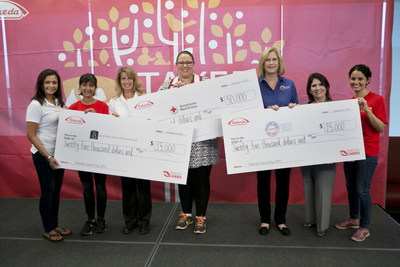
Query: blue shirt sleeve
[294, 94]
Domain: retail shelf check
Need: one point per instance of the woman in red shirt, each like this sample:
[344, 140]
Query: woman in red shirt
[87, 88]
[359, 173]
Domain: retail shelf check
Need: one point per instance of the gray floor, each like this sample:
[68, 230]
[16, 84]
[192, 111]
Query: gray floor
[231, 239]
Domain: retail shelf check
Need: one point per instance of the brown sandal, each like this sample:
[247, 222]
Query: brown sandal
[51, 237]
[62, 231]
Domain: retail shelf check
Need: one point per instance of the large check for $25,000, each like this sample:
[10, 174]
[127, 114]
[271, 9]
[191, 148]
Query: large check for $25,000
[123, 146]
[201, 104]
[304, 135]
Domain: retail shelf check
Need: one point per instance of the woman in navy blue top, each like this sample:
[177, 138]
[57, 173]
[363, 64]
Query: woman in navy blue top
[276, 92]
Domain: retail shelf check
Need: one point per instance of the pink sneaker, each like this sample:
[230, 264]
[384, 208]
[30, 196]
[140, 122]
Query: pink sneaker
[360, 235]
[347, 224]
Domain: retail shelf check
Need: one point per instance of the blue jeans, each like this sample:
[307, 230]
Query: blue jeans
[358, 181]
[50, 186]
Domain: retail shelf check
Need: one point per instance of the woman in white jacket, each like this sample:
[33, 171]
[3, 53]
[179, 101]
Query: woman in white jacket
[136, 193]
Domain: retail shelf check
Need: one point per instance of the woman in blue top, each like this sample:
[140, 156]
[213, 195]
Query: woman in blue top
[276, 92]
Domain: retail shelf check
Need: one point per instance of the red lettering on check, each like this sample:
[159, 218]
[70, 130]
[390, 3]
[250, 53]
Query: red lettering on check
[349, 152]
[238, 122]
[75, 120]
[144, 104]
[172, 174]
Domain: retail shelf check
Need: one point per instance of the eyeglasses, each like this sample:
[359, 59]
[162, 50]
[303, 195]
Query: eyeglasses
[188, 63]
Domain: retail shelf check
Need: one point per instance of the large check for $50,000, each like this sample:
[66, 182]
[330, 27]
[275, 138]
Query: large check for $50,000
[123, 146]
[201, 104]
[304, 135]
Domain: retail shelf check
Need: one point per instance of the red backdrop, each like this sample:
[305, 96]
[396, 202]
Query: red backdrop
[79, 36]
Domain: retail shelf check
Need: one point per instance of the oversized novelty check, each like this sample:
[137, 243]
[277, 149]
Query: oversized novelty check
[304, 135]
[201, 104]
[123, 146]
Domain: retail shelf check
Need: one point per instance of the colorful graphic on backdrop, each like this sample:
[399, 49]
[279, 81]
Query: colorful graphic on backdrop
[117, 40]
[77, 37]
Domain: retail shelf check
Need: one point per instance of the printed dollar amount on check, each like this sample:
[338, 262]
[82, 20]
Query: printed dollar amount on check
[304, 135]
[126, 147]
[201, 104]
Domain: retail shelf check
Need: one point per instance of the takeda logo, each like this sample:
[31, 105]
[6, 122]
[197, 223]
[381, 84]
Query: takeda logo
[75, 120]
[12, 11]
[349, 152]
[238, 122]
[176, 175]
[144, 104]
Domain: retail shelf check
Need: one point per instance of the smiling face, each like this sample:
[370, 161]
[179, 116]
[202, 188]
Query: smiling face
[88, 89]
[318, 90]
[358, 81]
[271, 64]
[185, 66]
[126, 82]
[50, 85]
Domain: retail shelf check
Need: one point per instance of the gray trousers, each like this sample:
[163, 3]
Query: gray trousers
[319, 181]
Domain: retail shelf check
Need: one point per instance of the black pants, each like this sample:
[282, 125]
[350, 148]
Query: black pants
[136, 201]
[50, 186]
[281, 195]
[197, 188]
[88, 193]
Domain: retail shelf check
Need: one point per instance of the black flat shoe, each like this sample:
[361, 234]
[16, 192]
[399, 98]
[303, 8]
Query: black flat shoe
[144, 229]
[263, 230]
[129, 229]
[284, 231]
[309, 224]
[321, 233]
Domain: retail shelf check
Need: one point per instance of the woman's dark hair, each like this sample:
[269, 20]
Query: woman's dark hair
[324, 82]
[363, 69]
[184, 52]
[87, 78]
[40, 95]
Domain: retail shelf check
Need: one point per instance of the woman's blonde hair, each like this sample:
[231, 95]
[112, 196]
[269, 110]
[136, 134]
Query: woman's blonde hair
[263, 58]
[137, 85]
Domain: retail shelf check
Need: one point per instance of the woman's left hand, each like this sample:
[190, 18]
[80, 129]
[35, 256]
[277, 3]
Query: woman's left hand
[291, 105]
[53, 163]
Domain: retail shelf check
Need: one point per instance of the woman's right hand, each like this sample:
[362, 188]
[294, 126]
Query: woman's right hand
[115, 114]
[178, 84]
[274, 107]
